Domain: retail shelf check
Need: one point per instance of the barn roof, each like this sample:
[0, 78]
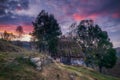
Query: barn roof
[69, 47]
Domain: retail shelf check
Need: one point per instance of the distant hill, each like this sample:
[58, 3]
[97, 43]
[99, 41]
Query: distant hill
[24, 44]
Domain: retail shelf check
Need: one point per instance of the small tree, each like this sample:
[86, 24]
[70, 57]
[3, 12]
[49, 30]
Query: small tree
[46, 31]
[19, 30]
[5, 35]
[8, 36]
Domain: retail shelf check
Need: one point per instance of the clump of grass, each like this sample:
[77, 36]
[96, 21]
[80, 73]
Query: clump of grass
[25, 61]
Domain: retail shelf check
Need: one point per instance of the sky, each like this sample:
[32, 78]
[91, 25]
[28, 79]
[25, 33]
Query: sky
[105, 13]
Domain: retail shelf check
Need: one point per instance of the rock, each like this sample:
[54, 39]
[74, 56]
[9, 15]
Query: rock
[49, 57]
[73, 76]
[35, 59]
[39, 63]
[48, 60]
[39, 68]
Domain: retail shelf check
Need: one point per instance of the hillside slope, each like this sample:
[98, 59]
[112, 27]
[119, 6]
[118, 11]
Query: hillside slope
[89, 74]
[6, 46]
[17, 66]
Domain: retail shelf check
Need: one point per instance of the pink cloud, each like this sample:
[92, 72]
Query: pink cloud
[116, 15]
[93, 16]
[12, 28]
[77, 17]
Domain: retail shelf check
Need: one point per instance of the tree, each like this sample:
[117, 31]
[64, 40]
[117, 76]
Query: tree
[96, 45]
[46, 31]
[86, 39]
[110, 58]
[8, 36]
[19, 30]
[105, 54]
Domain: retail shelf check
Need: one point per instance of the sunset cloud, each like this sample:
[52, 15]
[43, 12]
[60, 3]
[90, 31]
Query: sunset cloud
[12, 28]
[77, 17]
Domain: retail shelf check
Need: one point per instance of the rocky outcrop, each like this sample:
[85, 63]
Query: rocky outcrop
[40, 62]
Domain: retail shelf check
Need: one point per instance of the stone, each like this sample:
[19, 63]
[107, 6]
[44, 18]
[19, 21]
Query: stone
[39, 63]
[35, 59]
[38, 68]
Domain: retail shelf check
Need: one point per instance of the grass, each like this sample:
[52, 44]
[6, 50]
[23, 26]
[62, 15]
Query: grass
[12, 64]
[14, 67]
[6, 46]
[89, 74]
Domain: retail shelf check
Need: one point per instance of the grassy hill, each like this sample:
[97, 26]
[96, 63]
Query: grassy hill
[14, 67]
[6, 46]
[89, 74]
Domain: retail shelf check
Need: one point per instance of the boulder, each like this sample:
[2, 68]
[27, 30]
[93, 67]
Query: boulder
[38, 64]
[38, 68]
[35, 59]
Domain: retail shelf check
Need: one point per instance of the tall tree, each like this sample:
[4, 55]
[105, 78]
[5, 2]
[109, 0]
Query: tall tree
[46, 31]
[96, 45]
[86, 38]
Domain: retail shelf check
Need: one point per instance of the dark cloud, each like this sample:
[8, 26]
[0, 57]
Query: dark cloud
[106, 7]
[65, 8]
[88, 7]
[7, 9]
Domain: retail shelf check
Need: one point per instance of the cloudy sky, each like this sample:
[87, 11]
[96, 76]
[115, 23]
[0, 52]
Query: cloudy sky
[106, 13]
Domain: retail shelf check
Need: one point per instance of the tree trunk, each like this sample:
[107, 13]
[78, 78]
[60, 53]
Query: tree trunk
[100, 68]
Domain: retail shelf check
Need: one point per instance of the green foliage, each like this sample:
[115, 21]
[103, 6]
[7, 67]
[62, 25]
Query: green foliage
[110, 58]
[46, 32]
[96, 45]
